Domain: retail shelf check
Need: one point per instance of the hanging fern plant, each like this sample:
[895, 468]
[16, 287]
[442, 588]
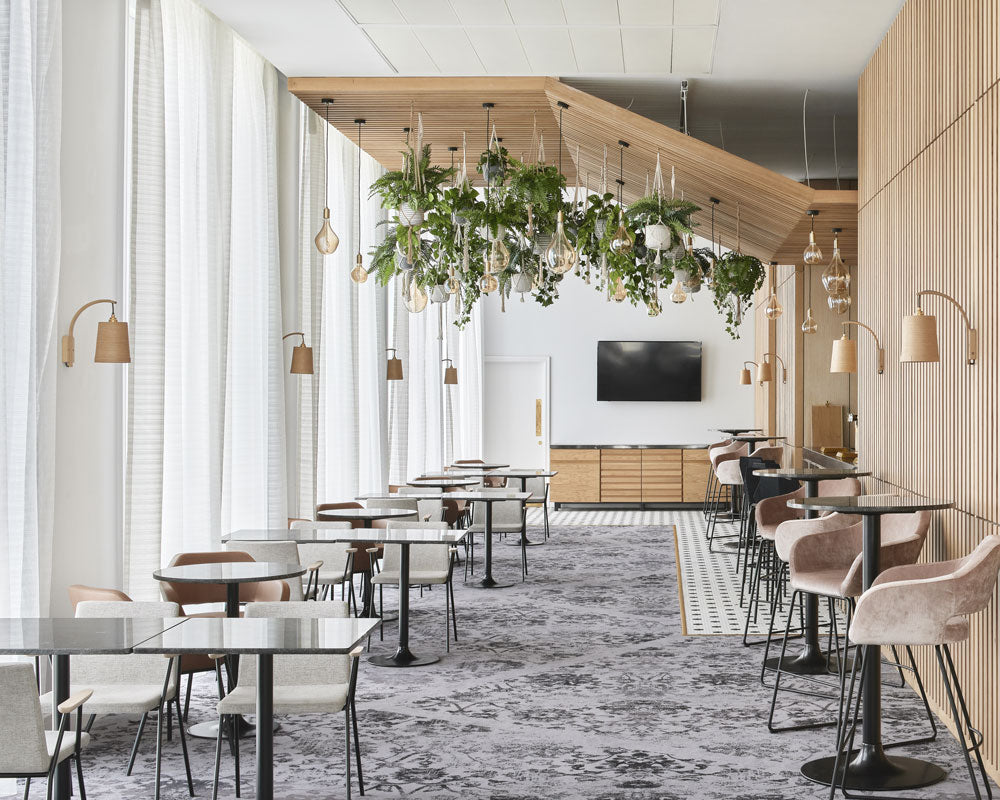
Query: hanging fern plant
[736, 279]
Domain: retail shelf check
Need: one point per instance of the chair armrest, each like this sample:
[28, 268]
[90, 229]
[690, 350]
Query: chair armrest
[790, 531]
[356, 652]
[73, 702]
[216, 656]
[905, 612]
[351, 550]
[836, 549]
[314, 567]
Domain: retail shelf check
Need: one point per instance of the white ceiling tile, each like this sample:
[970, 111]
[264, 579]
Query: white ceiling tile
[451, 50]
[482, 12]
[696, 12]
[550, 51]
[500, 50]
[646, 12]
[646, 50]
[693, 50]
[536, 12]
[373, 11]
[427, 12]
[402, 49]
[591, 12]
[598, 49]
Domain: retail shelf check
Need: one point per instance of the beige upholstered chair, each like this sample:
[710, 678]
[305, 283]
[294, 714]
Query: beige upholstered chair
[402, 502]
[430, 565]
[926, 604]
[131, 683]
[282, 553]
[303, 684]
[27, 750]
[427, 510]
[337, 559]
[828, 563]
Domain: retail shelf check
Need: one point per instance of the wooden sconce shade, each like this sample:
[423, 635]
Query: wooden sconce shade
[302, 356]
[745, 379]
[920, 340]
[393, 367]
[844, 357]
[450, 373]
[112, 339]
[764, 370]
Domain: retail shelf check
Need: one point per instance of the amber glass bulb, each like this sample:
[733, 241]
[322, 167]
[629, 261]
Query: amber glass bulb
[678, 295]
[327, 240]
[837, 277]
[809, 324]
[488, 283]
[560, 255]
[623, 238]
[773, 309]
[812, 253]
[499, 254]
[841, 303]
[414, 297]
[359, 274]
[620, 293]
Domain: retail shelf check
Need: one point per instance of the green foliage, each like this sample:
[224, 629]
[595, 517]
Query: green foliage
[675, 214]
[418, 183]
[735, 280]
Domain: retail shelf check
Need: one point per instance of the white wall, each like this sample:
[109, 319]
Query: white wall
[569, 330]
[87, 537]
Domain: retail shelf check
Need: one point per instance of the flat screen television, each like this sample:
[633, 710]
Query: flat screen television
[649, 371]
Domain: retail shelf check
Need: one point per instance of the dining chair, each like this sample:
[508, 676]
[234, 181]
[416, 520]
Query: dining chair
[508, 517]
[197, 594]
[283, 553]
[27, 750]
[303, 684]
[130, 684]
[402, 502]
[338, 561]
[828, 564]
[78, 592]
[925, 605]
[427, 510]
[539, 488]
[430, 565]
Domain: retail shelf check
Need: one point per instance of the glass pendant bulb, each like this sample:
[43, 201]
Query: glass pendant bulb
[453, 284]
[653, 310]
[773, 309]
[327, 240]
[841, 303]
[499, 254]
[620, 293]
[560, 255]
[812, 253]
[678, 295]
[809, 324]
[623, 239]
[414, 297]
[837, 277]
[488, 283]
[359, 274]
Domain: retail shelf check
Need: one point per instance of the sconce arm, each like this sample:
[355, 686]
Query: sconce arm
[68, 342]
[972, 351]
[784, 370]
[295, 333]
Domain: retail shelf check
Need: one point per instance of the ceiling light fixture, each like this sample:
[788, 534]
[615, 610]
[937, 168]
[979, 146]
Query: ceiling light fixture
[812, 254]
[837, 279]
[773, 309]
[560, 254]
[359, 274]
[623, 238]
[326, 240]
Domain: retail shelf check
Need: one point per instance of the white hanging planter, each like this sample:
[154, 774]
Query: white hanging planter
[410, 216]
[521, 283]
[682, 275]
[657, 236]
[439, 293]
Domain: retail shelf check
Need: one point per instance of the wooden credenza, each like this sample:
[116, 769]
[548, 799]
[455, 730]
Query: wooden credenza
[628, 474]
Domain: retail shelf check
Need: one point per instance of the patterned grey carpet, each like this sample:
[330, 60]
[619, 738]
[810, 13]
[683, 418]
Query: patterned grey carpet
[575, 684]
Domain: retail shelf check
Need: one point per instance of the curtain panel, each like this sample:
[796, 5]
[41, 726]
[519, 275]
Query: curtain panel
[31, 106]
[205, 445]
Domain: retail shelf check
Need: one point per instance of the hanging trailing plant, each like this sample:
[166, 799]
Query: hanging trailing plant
[416, 187]
[736, 279]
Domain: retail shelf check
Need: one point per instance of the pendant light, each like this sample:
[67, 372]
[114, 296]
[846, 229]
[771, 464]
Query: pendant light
[678, 295]
[560, 254]
[773, 308]
[414, 297]
[837, 279]
[450, 373]
[812, 254]
[623, 239]
[302, 356]
[327, 240]
[809, 324]
[620, 293]
[359, 274]
[393, 367]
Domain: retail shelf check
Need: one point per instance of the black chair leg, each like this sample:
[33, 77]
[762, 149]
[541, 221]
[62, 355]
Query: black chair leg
[357, 749]
[79, 777]
[184, 747]
[135, 744]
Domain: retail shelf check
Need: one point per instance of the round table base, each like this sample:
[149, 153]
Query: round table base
[402, 658]
[808, 663]
[488, 583]
[529, 543]
[873, 771]
[210, 730]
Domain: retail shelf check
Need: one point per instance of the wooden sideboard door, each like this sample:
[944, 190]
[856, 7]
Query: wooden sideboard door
[579, 476]
[662, 476]
[696, 469]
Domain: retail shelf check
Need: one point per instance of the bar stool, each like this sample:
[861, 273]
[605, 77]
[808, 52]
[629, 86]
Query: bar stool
[715, 456]
[925, 604]
[828, 565]
[729, 476]
[713, 449]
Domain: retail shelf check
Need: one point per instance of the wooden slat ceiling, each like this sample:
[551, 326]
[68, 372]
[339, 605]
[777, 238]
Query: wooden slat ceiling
[773, 222]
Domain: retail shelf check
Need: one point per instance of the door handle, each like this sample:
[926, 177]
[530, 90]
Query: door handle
[538, 417]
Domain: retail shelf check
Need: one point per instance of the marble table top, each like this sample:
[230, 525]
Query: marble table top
[305, 535]
[229, 572]
[365, 513]
[78, 636]
[810, 473]
[493, 496]
[486, 465]
[398, 496]
[443, 482]
[275, 635]
[870, 504]
[522, 473]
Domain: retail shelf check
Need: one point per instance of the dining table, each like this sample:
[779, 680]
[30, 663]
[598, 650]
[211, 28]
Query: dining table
[364, 514]
[440, 482]
[870, 768]
[264, 638]
[62, 638]
[404, 537]
[488, 499]
[477, 465]
[811, 660]
[738, 431]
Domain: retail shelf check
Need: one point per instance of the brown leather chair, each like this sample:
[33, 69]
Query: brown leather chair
[394, 487]
[191, 594]
[79, 593]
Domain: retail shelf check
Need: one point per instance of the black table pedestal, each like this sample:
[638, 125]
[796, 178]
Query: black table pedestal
[265, 726]
[488, 582]
[403, 657]
[61, 786]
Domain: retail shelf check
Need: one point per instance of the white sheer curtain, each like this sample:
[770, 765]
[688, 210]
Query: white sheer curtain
[30, 110]
[351, 449]
[205, 406]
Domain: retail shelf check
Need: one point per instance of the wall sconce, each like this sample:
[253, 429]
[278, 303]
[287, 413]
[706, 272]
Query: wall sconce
[844, 357]
[920, 341]
[450, 373]
[302, 356]
[112, 339]
[745, 379]
[393, 367]
[764, 373]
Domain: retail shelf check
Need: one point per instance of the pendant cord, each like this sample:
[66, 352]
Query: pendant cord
[360, 153]
[326, 159]
[621, 172]
[560, 139]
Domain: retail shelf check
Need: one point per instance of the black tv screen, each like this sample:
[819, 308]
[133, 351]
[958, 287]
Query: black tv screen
[649, 371]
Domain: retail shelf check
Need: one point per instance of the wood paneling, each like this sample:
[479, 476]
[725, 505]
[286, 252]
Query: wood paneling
[621, 476]
[662, 479]
[696, 468]
[774, 225]
[579, 476]
[929, 219]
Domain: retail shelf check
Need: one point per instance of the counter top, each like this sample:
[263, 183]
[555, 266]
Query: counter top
[628, 446]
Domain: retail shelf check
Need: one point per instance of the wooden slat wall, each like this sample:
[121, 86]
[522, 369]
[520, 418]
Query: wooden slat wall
[929, 154]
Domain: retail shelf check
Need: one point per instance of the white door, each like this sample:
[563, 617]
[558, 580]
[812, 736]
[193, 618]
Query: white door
[516, 421]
